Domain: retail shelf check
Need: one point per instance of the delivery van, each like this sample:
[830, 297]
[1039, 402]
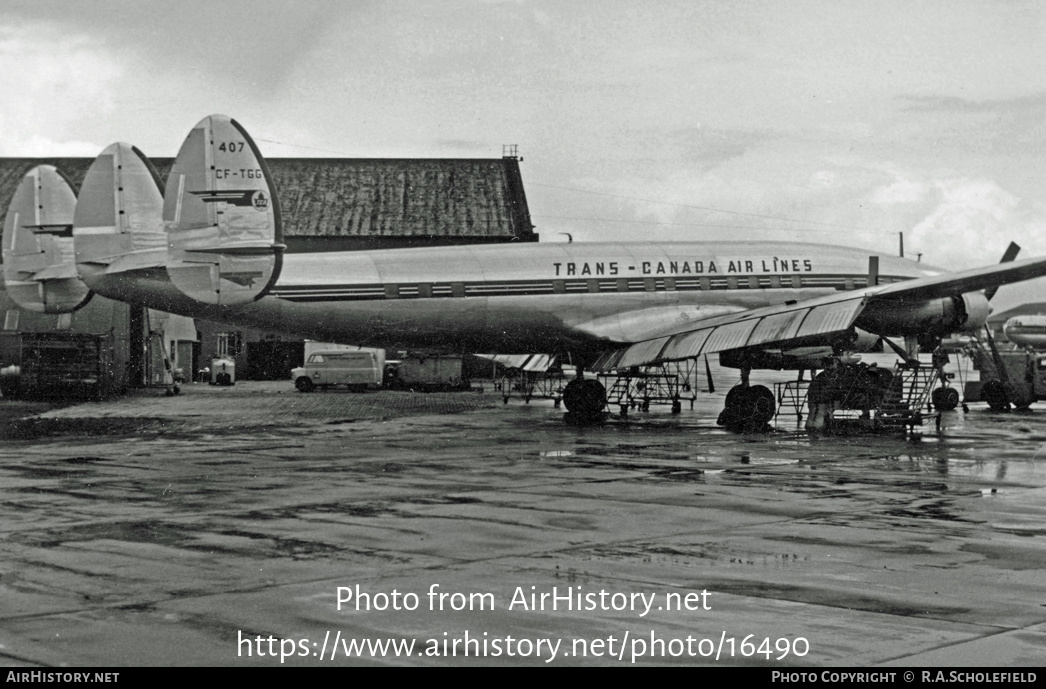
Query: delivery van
[358, 369]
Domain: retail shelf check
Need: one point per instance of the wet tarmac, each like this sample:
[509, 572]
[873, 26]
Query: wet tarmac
[223, 526]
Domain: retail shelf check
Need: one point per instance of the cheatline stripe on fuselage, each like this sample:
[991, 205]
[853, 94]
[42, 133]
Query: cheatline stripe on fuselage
[305, 293]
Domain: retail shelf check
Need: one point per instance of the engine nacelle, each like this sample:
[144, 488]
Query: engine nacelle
[966, 313]
[865, 342]
[977, 311]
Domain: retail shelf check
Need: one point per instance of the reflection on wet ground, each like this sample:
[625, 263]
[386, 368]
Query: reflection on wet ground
[239, 512]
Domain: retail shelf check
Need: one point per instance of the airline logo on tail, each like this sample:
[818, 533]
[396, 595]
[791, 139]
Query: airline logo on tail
[243, 278]
[255, 198]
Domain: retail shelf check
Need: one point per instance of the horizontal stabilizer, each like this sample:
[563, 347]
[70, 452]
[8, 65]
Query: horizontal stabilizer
[59, 230]
[225, 240]
[62, 271]
[263, 250]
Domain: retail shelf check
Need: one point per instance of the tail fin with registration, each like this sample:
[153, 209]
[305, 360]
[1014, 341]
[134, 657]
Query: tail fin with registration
[39, 260]
[220, 212]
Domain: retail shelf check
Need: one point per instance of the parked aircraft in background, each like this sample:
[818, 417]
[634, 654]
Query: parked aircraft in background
[1026, 331]
[210, 245]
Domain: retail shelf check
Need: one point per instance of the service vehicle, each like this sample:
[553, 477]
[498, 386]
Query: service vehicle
[358, 369]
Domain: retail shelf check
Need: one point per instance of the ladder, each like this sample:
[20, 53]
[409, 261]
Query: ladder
[906, 402]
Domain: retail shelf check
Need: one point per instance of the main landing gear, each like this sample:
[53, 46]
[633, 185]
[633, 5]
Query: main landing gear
[945, 398]
[748, 408]
[585, 400]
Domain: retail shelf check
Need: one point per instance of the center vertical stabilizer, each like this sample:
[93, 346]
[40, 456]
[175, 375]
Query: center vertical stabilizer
[224, 231]
[119, 211]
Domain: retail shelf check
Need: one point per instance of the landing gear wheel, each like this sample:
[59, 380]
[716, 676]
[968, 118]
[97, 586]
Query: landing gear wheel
[994, 393]
[748, 409]
[584, 400]
[945, 399]
[304, 384]
[762, 405]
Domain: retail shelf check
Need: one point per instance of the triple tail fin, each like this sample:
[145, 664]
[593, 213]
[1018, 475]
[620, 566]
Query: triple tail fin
[119, 211]
[222, 218]
[39, 258]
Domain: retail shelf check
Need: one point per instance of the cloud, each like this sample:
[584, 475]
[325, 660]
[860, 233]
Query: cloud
[473, 147]
[954, 104]
[49, 80]
[971, 221]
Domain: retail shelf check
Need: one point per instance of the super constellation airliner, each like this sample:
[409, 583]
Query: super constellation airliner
[209, 244]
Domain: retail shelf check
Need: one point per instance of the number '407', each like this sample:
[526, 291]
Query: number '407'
[230, 147]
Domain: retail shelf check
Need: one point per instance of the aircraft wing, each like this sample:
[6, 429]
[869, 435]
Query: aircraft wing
[809, 322]
[962, 282]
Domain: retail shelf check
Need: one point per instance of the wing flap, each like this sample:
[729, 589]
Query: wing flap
[831, 318]
[789, 323]
[687, 345]
[642, 352]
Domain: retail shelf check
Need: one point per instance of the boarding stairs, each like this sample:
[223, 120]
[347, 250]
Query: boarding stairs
[907, 401]
[903, 406]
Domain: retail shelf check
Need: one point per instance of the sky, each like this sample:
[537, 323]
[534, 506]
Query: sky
[843, 121]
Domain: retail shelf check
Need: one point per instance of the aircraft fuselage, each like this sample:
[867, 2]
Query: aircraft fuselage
[1026, 331]
[510, 298]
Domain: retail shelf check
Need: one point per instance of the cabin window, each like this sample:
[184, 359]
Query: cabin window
[457, 289]
[753, 281]
[425, 290]
[559, 286]
[622, 284]
[392, 291]
[11, 319]
[670, 284]
[775, 281]
[593, 285]
[649, 285]
[731, 282]
[706, 283]
[797, 282]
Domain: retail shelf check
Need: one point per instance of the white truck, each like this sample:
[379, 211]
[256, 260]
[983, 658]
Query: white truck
[358, 369]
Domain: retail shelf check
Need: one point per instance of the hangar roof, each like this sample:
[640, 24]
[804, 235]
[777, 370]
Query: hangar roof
[470, 198]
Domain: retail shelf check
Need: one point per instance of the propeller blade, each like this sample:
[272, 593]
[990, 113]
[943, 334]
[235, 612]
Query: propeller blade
[1011, 253]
